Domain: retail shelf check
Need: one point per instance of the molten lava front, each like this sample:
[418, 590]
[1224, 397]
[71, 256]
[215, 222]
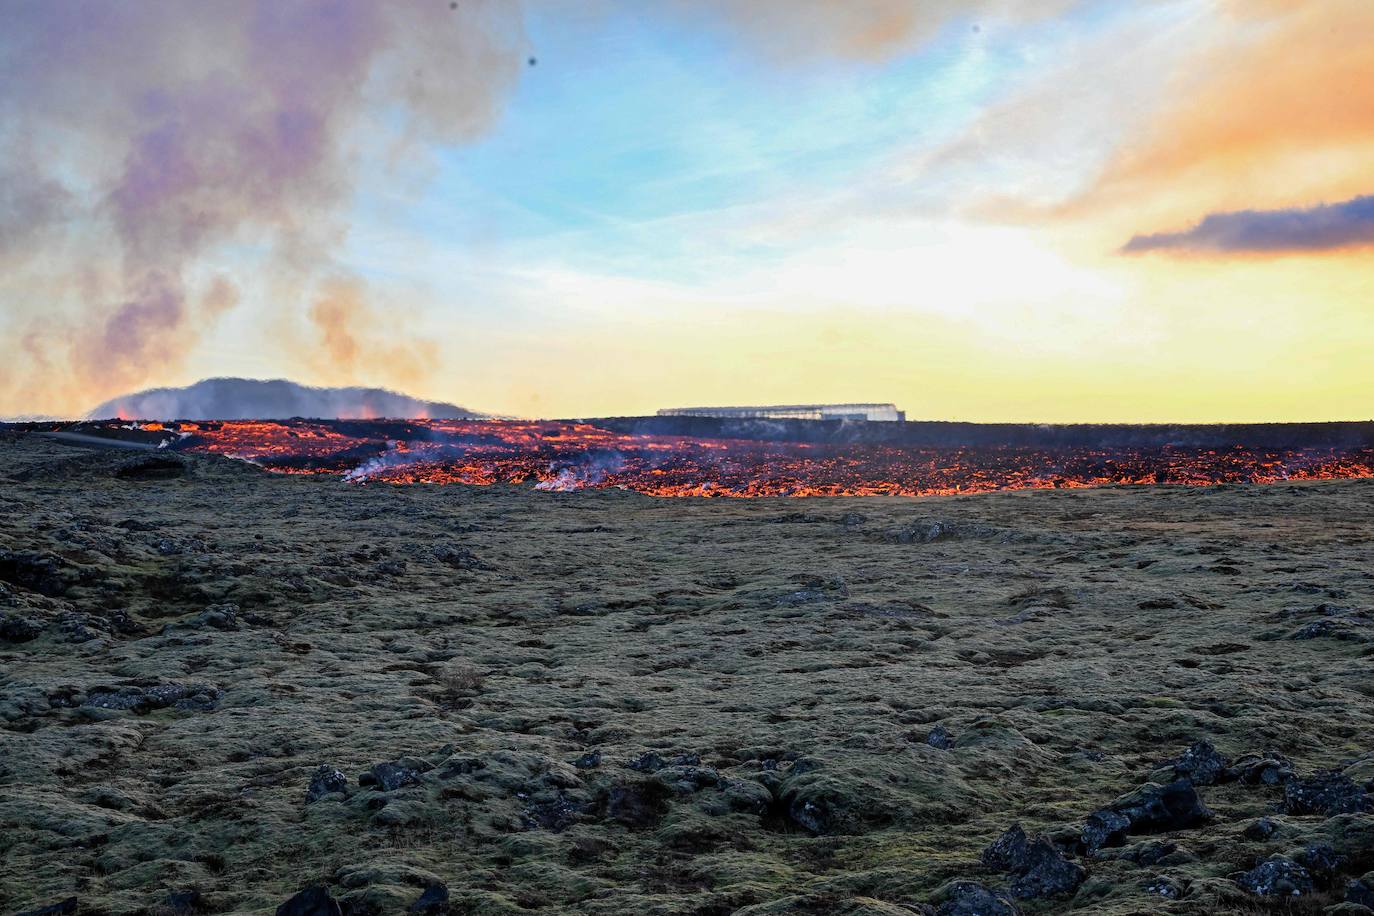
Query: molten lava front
[567, 455]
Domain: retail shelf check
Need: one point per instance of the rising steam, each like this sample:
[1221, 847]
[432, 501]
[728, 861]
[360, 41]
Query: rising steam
[143, 140]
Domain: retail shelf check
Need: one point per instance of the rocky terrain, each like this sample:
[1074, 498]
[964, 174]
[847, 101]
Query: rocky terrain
[224, 691]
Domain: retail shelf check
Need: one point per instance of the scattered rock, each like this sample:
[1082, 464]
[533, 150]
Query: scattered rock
[198, 697]
[1008, 851]
[326, 781]
[1321, 861]
[1046, 873]
[432, 902]
[390, 776]
[1262, 829]
[1361, 891]
[588, 761]
[1327, 794]
[1268, 769]
[1165, 887]
[650, 762]
[1104, 828]
[1154, 808]
[940, 738]
[459, 558]
[1277, 876]
[14, 628]
[44, 573]
[1201, 765]
[967, 898]
[556, 814]
[312, 901]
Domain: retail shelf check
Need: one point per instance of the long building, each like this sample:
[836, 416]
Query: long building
[880, 412]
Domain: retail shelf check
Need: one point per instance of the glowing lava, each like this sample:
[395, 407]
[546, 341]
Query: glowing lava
[566, 455]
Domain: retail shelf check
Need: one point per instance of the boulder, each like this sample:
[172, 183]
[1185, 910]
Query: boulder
[637, 805]
[312, 901]
[968, 898]
[940, 738]
[433, 902]
[1046, 873]
[1008, 851]
[1277, 876]
[1201, 765]
[326, 781]
[390, 776]
[1327, 794]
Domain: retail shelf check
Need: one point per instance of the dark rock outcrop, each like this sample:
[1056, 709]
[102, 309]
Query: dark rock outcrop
[314, 900]
[1201, 765]
[197, 697]
[1267, 769]
[1152, 808]
[637, 805]
[1361, 891]
[152, 466]
[940, 738]
[1008, 851]
[1045, 872]
[44, 573]
[968, 898]
[1326, 794]
[60, 908]
[433, 902]
[1277, 876]
[14, 628]
[390, 776]
[326, 781]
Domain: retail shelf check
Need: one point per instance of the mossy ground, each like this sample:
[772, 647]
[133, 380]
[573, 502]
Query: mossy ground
[803, 649]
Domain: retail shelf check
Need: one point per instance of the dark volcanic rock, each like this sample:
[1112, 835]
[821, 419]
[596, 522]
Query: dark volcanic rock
[199, 697]
[326, 781]
[432, 902]
[637, 805]
[1046, 873]
[967, 898]
[1361, 891]
[1008, 851]
[459, 558]
[1277, 876]
[1200, 765]
[14, 628]
[589, 760]
[390, 776]
[1267, 769]
[1153, 808]
[1326, 794]
[152, 466]
[1321, 861]
[60, 908]
[556, 814]
[940, 738]
[1104, 828]
[313, 901]
[44, 573]
[1261, 829]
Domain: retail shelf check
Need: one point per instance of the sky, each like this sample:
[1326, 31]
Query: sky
[1039, 211]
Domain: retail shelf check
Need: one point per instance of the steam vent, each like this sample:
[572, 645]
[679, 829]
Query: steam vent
[885, 412]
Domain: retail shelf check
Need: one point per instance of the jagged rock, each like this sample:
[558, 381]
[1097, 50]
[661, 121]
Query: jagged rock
[326, 781]
[686, 780]
[1321, 861]
[1327, 794]
[390, 776]
[1008, 851]
[1165, 887]
[1267, 769]
[556, 814]
[14, 628]
[637, 805]
[44, 573]
[968, 898]
[1261, 829]
[1200, 765]
[60, 908]
[1277, 876]
[1153, 807]
[151, 466]
[1046, 873]
[650, 762]
[1104, 828]
[433, 902]
[312, 901]
[589, 760]
[199, 697]
[1361, 891]
[940, 738]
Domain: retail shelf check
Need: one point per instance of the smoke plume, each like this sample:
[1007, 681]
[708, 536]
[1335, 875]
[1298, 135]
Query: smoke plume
[141, 141]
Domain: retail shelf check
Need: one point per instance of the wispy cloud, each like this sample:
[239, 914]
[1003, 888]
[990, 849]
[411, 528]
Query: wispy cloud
[1321, 228]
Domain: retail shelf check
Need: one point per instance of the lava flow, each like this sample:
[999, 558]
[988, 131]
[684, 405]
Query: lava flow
[569, 455]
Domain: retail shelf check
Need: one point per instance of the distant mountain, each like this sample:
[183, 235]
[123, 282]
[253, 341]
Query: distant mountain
[254, 399]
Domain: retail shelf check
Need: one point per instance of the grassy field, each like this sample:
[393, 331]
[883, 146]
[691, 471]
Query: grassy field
[603, 703]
